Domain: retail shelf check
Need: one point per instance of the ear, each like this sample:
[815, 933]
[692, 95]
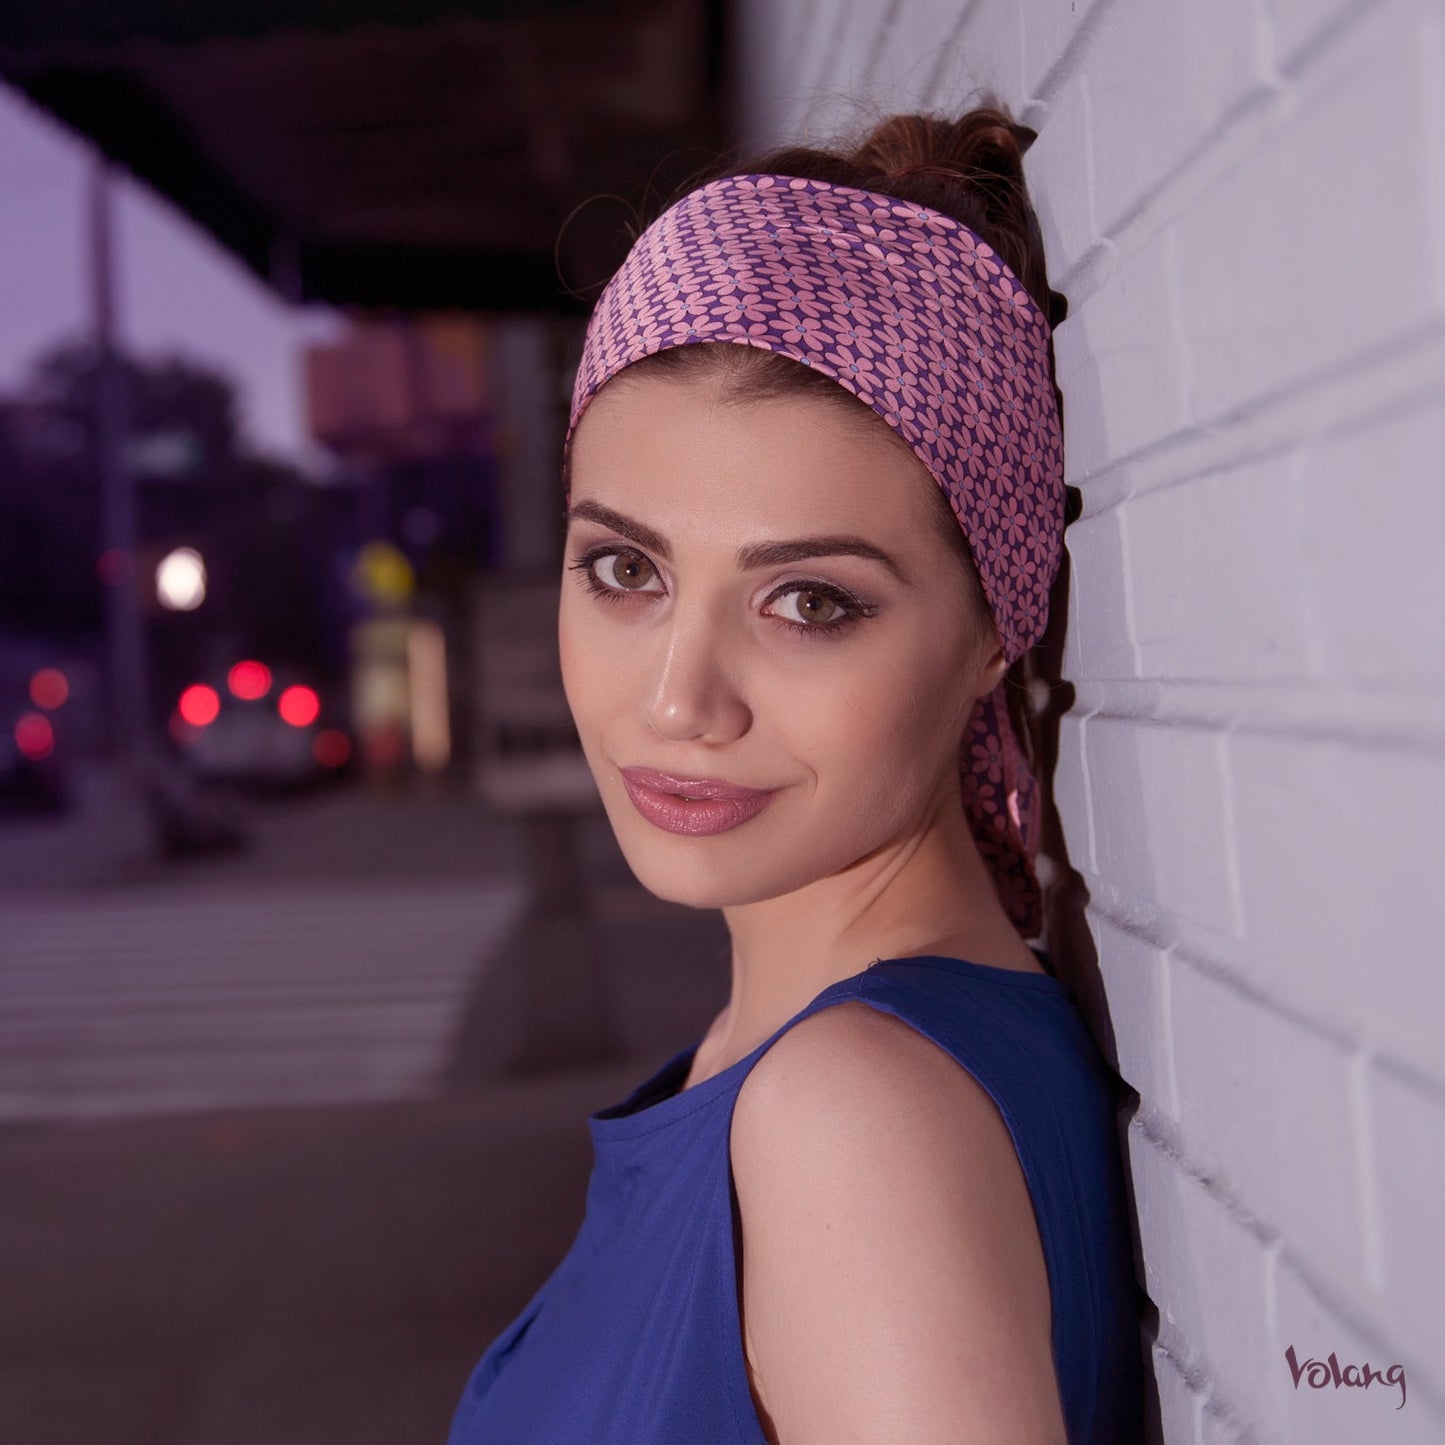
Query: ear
[989, 660]
[991, 673]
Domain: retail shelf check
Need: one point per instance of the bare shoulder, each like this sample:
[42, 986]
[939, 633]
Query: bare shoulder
[857, 1076]
[893, 1281]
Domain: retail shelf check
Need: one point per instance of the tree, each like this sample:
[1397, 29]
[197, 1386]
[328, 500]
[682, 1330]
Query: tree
[255, 519]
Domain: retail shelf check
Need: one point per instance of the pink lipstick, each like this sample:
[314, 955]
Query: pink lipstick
[694, 806]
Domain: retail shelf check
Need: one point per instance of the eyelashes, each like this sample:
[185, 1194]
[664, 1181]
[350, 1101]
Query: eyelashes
[852, 609]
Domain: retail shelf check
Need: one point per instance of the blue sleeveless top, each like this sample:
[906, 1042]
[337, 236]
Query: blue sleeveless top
[635, 1338]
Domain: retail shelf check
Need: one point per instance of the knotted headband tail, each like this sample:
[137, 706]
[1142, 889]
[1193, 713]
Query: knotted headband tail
[1001, 799]
[918, 317]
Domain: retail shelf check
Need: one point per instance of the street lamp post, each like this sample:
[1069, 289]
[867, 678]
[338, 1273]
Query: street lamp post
[124, 634]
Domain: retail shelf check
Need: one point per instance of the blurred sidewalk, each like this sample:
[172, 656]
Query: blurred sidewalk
[305, 1275]
[345, 832]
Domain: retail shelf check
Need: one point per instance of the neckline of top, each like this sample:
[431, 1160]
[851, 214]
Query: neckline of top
[609, 1123]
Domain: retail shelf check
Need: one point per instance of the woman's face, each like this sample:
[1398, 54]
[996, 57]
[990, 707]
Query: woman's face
[757, 598]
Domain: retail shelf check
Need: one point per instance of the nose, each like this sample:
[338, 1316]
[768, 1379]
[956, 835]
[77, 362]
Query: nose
[695, 692]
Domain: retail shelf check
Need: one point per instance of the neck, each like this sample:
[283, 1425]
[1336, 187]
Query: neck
[927, 893]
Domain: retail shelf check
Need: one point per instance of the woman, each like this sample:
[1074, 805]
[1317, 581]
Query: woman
[815, 508]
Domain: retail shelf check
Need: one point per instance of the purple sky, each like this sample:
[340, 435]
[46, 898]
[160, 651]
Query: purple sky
[178, 291]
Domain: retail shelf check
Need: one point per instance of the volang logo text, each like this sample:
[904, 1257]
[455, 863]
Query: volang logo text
[1319, 1373]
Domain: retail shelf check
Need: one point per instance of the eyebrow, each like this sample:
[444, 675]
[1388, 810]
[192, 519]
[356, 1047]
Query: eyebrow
[758, 554]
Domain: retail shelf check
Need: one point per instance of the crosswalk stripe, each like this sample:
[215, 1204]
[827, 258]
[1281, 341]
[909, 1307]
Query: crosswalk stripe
[184, 1000]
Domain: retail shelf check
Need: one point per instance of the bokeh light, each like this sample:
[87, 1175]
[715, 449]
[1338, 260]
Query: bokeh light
[249, 680]
[181, 580]
[331, 748]
[113, 567]
[299, 706]
[199, 705]
[35, 737]
[49, 688]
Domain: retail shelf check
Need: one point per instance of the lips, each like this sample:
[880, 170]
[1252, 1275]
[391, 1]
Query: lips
[697, 807]
[697, 788]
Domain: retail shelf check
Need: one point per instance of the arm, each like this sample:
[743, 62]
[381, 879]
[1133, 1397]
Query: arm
[893, 1284]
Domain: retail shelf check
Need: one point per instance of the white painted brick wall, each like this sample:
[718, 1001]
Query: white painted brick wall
[1245, 202]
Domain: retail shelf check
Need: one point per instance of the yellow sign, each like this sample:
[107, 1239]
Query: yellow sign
[384, 574]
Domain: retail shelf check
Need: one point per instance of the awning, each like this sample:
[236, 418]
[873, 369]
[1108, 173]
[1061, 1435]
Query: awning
[416, 154]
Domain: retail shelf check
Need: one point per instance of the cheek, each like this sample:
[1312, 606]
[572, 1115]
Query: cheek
[880, 729]
[605, 672]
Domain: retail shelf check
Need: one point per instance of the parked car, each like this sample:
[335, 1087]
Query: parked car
[260, 727]
[34, 751]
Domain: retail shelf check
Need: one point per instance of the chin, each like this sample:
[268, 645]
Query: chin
[689, 881]
[720, 872]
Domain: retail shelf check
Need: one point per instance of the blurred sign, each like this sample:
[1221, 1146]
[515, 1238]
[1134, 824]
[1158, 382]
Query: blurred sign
[383, 575]
[399, 388]
[165, 454]
[528, 757]
[380, 692]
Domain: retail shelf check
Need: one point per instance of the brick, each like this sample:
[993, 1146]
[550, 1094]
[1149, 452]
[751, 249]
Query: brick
[802, 27]
[1182, 541]
[1371, 526]
[1119, 362]
[1215, 1429]
[1429, 62]
[1267, 1101]
[1283, 273]
[909, 49]
[1096, 635]
[1071, 792]
[1136, 983]
[1057, 168]
[1161, 78]
[810, 71]
[1204, 1270]
[1159, 823]
[1343, 1415]
[985, 52]
[839, 66]
[1407, 1124]
[1053, 37]
[1249, 200]
[831, 29]
[854, 72]
[1116, 785]
[1337, 848]
[1296, 23]
[1178, 1402]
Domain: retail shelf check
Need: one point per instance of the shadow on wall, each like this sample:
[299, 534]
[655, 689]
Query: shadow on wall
[1072, 939]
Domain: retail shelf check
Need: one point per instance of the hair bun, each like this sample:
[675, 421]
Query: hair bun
[969, 167]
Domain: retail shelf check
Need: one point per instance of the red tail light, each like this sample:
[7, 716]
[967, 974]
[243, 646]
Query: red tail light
[49, 688]
[199, 705]
[34, 736]
[249, 680]
[299, 706]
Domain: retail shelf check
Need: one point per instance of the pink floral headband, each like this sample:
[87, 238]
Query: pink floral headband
[918, 317]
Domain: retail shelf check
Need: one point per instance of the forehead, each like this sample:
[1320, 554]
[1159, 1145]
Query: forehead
[684, 458]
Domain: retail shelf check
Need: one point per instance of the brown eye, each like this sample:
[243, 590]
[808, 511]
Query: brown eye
[809, 606]
[626, 571]
[816, 607]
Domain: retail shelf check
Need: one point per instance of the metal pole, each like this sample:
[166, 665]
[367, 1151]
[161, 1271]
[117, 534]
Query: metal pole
[124, 631]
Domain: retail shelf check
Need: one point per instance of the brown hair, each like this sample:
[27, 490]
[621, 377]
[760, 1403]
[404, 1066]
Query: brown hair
[969, 168]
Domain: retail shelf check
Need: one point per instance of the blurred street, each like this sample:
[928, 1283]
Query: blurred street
[294, 1090]
[266, 1179]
